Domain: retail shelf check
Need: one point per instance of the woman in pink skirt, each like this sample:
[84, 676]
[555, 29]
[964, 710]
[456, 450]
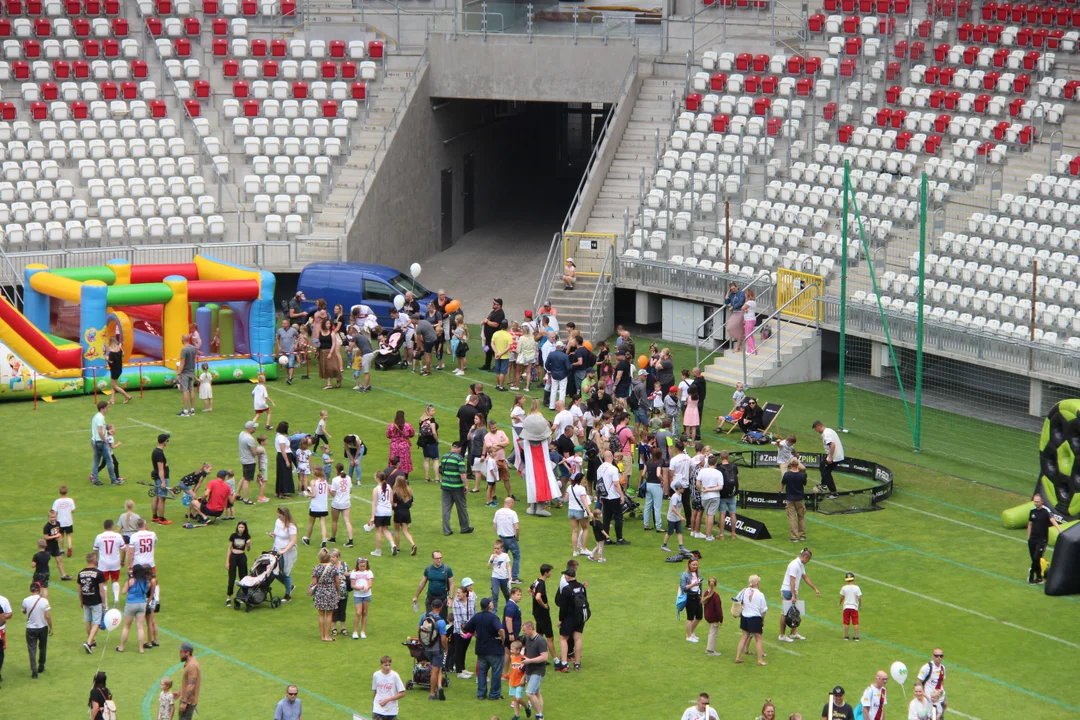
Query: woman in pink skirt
[735, 322]
[750, 320]
[399, 433]
[691, 417]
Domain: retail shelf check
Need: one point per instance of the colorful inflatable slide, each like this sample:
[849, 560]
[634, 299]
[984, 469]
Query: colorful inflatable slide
[58, 344]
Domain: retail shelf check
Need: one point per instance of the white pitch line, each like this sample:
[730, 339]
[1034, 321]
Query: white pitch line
[893, 503]
[118, 427]
[146, 424]
[921, 596]
[954, 711]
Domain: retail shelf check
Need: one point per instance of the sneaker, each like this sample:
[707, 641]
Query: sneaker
[349, 544]
[182, 413]
[785, 638]
[682, 548]
[528, 711]
[86, 647]
[712, 653]
[376, 553]
[622, 541]
[856, 639]
[709, 538]
[306, 541]
[355, 636]
[515, 581]
[563, 669]
[601, 559]
[163, 521]
[394, 549]
[228, 602]
[331, 539]
[846, 638]
[692, 639]
[69, 552]
[665, 548]
[323, 545]
[363, 635]
[797, 636]
[263, 499]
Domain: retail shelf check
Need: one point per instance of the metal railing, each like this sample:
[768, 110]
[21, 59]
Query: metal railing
[263, 255]
[10, 277]
[384, 143]
[707, 286]
[1017, 355]
[767, 297]
[554, 257]
[601, 304]
[776, 356]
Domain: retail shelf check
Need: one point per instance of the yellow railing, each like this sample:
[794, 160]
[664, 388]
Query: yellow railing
[588, 251]
[789, 283]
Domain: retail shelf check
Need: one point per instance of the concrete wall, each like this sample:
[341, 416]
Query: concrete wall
[508, 67]
[400, 219]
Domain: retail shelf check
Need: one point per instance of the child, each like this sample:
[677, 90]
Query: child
[851, 598]
[738, 396]
[644, 451]
[356, 362]
[600, 535]
[785, 452]
[499, 562]
[206, 390]
[303, 464]
[320, 432]
[230, 480]
[671, 408]
[459, 343]
[656, 397]
[517, 679]
[354, 453]
[165, 700]
[53, 537]
[361, 580]
[328, 461]
[262, 401]
[40, 561]
[576, 461]
[675, 516]
[319, 507]
[264, 462]
[736, 413]
[64, 507]
[624, 471]
[110, 438]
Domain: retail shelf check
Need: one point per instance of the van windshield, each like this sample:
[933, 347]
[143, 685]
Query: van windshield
[403, 284]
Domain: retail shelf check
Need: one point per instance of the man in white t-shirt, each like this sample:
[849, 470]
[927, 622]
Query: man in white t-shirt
[141, 548]
[65, 507]
[932, 676]
[38, 627]
[109, 546]
[789, 591]
[710, 482]
[834, 453]
[507, 527]
[388, 689]
[851, 599]
[613, 496]
[701, 711]
[563, 418]
[873, 698]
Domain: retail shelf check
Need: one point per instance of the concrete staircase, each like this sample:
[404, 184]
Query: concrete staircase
[765, 367]
[573, 305]
[621, 188]
[383, 98]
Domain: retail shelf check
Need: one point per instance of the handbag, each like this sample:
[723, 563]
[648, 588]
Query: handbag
[736, 607]
[680, 603]
[641, 489]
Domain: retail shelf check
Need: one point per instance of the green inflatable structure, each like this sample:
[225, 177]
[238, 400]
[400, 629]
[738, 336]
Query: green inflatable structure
[1059, 470]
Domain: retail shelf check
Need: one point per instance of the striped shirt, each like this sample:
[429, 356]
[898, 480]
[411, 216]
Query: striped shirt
[452, 467]
[463, 612]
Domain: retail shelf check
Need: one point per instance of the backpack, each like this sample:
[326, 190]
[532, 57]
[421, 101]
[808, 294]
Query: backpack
[793, 618]
[429, 631]
[590, 359]
[614, 443]
[581, 605]
[108, 711]
[426, 436]
[632, 402]
[731, 480]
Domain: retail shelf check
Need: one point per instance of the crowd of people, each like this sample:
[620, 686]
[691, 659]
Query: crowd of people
[613, 409]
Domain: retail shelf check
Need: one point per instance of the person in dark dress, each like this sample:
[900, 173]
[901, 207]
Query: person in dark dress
[99, 695]
[285, 462]
[116, 368]
[488, 327]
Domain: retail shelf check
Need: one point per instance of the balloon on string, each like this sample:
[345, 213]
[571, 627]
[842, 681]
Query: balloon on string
[112, 619]
[642, 362]
[453, 306]
[588, 345]
[414, 270]
[399, 301]
[899, 672]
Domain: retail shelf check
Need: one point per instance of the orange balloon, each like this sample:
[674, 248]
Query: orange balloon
[588, 346]
[453, 306]
[642, 362]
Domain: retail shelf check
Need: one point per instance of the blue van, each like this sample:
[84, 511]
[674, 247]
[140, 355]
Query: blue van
[348, 284]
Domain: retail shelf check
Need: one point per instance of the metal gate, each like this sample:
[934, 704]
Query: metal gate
[790, 283]
[588, 251]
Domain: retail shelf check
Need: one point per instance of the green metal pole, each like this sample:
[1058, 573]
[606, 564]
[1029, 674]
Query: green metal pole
[919, 332]
[843, 294]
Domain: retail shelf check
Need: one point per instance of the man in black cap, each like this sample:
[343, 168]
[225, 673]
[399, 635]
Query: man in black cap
[840, 709]
[488, 328]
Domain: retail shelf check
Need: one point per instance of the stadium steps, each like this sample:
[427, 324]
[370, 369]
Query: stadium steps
[636, 151]
[332, 215]
[762, 367]
[573, 305]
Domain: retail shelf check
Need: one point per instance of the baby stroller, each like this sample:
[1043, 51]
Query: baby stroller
[421, 672]
[255, 588]
[388, 356]
[630, 507]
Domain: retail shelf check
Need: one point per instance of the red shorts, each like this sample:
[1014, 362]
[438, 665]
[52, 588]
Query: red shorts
[259, 412]
[111, 575]
[851, 617]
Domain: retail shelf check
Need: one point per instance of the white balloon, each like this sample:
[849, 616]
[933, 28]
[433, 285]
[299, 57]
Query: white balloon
[414, 269]
[399, 301]
[112, 619]
[899, 672]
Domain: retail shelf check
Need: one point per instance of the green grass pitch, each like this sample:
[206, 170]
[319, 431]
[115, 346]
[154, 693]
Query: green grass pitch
[936, 569]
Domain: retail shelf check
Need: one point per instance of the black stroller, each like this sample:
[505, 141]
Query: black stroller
[421, 672]
[389, 356]
[255, 589]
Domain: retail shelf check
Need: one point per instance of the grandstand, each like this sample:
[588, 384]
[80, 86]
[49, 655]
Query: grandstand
[281, 132]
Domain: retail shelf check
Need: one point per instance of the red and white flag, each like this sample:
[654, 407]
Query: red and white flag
[540, 482]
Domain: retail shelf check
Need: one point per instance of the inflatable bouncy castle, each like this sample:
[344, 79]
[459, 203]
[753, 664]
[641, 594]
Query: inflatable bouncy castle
[58, 344]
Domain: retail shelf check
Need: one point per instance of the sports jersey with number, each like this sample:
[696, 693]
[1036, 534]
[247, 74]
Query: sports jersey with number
[932, 677]
[109, 545]
[320, 490]
[143, 544]
[341, 487]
